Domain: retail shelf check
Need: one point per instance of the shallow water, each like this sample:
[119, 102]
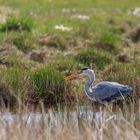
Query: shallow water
[9, 117]
[65, 115]
[73, 115]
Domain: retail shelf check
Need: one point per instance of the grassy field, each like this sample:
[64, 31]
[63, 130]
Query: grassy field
[42, 42]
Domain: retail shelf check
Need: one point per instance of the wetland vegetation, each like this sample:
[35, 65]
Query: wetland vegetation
[43, 41]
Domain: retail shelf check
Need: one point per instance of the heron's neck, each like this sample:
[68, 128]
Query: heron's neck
[88, 86]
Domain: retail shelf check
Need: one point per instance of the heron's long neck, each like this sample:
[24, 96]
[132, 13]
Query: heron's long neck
[88, 85]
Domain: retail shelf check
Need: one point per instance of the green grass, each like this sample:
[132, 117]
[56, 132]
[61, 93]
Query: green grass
[45, 78]
[94, 57]
[31, 86]
[12, 80]
[96, 41]
[15, 24]
[25, 42]
[109, 37]
[65, 64]
[49, 85]
[52, 11]
[124, 73]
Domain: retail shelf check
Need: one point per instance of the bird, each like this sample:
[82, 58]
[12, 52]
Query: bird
[103, 92]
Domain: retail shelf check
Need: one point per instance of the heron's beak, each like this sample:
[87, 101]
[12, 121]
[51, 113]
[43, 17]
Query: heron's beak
[72, 76]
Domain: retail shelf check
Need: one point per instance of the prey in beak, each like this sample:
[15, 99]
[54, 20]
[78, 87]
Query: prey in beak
[72, 76]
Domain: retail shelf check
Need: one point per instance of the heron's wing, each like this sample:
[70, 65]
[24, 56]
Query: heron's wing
[110, 90]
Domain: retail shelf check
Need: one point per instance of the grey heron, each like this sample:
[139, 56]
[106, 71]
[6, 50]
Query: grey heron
[103, 92]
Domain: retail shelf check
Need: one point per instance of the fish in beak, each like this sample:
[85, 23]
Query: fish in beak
[72, 76]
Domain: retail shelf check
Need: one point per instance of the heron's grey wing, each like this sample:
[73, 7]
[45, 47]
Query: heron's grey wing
[106, 91]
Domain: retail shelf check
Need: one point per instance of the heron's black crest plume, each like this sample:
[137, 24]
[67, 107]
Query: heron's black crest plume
[84, 68]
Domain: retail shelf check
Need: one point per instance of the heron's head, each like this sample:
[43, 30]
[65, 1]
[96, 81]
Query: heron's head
[85, 70]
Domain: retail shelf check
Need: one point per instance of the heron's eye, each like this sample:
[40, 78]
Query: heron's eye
[85, 68]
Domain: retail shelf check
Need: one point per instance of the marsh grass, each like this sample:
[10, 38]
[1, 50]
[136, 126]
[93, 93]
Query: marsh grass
[46, 75]
[109, 37]
[17, 24]
[65, 64]
[49, 85]
[12, 80]
[31, 86]
[54, 41]
[74, 124]
[98, 58]
[25, 42]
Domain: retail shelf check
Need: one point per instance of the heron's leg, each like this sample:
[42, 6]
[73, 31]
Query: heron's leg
[109, 107]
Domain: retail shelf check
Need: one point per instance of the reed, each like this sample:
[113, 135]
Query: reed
[64, 124]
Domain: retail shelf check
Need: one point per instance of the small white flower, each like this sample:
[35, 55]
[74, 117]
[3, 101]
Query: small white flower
[135, 11]
[62, 28]
[81, 17]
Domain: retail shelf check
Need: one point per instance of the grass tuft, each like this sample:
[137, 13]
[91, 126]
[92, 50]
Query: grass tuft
[109, 37]
[54, 42]
[65, 63]
[49, 85]
[25, 42]
[92, 56]
[15, 80]
[17, 24]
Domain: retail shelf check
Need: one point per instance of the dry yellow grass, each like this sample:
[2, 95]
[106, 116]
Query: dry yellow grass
[66, 125]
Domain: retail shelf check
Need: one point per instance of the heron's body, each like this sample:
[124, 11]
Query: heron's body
[105, 91]
[109, 91]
